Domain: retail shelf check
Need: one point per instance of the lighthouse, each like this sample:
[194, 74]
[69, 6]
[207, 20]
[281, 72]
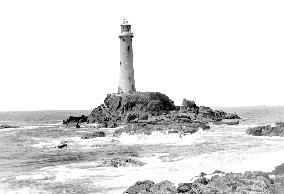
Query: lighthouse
[126, 73]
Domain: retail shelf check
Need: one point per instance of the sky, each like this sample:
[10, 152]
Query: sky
[64, 54]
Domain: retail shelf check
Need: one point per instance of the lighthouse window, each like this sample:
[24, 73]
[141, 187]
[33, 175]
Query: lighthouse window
[128, 47]
[129, 78]
[123, 39]
[120, 63]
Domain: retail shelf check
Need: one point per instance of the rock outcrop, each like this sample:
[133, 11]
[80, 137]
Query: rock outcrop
[147, 187]
[121, 162]
[94, 135]
[153, 109]
[118, 107]
[235, 183]
[174, 122]
[75, 121]
[205, 114]
[268, 130]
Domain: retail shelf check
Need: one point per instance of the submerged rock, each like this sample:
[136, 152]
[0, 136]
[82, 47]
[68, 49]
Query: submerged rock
[234, 183]
[8, 126]
[94, 135]
[62, 144]
[121, 162]
[267, 130]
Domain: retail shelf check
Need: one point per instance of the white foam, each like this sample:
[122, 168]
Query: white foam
[162, 138]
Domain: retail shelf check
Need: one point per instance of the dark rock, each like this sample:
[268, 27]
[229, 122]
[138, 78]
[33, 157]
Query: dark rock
[75, 121]
[280, 124]
[206, 114]
[140, 187]
[184, 187]
[202, 180]
[231, 183]
[267, 130]
[62, 144]
[189, 105]
[94, 135]
[218, 172]
[148, 187]
[127, 107]
[130, 117]
[162, 125]
[120, 161]
[8, 126]
[231, 116]
[102, 115]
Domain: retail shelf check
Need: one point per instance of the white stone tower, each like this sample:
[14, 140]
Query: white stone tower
[126, 74]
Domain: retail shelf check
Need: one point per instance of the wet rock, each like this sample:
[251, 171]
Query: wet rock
[62, 144]
[121, 162]
[140, 187]
[149, 187]
[164, 126]
[94, 135]
[102, 115]
[75, 121]
[267, 130]
[8, 126]
[231, 183]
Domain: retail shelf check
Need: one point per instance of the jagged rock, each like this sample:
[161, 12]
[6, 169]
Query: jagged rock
[149, 108]
[75, 121]
[267, 130]
[102, 115]
[120, 161]
[140, 187]
[62, 144]
[206, 114]
[127, 107]
[8, 126]
[94, 135]
[231, 183]
[189, 105]
[144, 187]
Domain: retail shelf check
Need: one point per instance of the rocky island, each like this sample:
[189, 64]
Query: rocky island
[145, 112]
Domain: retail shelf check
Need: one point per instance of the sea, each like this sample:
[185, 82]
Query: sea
[30, 161]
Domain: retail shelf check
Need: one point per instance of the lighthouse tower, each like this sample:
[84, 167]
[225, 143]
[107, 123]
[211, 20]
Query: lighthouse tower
[126, 74]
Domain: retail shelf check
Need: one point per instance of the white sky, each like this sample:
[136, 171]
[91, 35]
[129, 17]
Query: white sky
[64, 54]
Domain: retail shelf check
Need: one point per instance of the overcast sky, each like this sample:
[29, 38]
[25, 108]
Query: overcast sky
[64, 54]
